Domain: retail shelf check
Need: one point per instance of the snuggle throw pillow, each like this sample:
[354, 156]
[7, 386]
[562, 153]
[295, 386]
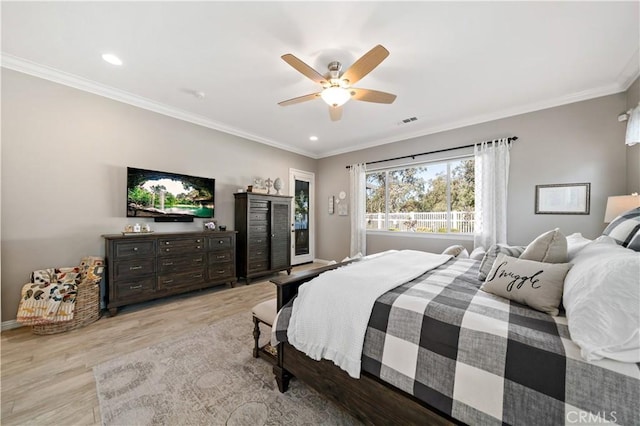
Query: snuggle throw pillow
[535, 284]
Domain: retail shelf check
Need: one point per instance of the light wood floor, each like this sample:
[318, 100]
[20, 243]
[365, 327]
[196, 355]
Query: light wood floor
[48, 380]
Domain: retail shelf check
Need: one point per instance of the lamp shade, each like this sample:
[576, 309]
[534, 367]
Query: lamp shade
[633, 127]
[620, 204]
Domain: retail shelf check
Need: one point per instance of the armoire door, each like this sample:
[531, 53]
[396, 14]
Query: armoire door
[280, 235]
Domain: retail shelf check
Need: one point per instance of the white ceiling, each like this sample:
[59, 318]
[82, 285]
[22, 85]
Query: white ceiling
[451, 63]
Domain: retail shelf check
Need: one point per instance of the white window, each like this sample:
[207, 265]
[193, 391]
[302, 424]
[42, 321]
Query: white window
[435, 197]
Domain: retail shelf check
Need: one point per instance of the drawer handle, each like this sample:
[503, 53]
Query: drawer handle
[167, 250]
[221, 257]
[258, 252]
[167, 243]
[259, 241]
[135, 249]
[222, 271]
[197, 260]
[167, 281]
[197, 275]
[220, 242]
[133, 268]
[167, 264]
[198, 247]
[197, 241]
[135, 287]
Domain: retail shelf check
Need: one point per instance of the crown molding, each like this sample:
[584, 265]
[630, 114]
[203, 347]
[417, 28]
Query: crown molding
[483, 118]
[630, 72]
[48, 73]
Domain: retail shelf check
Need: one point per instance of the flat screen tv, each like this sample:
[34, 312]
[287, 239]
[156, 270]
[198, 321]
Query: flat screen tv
[169, 197]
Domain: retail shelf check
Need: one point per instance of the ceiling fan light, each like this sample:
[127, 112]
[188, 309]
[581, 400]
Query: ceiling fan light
[335, 96]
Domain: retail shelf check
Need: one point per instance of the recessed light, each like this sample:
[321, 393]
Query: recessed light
[112, 59]
[313, 138]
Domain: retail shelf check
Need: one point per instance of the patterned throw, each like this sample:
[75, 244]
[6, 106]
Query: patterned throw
[50, 297]
[486, 360]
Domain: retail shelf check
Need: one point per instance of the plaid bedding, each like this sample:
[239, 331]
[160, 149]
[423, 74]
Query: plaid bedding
[485, 360]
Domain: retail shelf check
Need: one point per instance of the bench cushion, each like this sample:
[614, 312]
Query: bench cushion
[265, 311]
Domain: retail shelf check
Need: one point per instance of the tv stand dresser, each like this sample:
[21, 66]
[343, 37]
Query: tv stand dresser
[146, 266]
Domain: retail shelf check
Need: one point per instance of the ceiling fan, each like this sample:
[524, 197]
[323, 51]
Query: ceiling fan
[337, 86]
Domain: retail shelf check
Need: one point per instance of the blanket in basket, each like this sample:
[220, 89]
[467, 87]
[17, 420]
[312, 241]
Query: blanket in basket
[50, 297]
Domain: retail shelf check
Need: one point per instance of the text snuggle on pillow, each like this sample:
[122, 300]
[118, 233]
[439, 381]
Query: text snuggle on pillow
[535, 284]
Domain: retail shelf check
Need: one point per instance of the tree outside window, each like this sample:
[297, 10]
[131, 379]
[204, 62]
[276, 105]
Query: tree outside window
[430, 198]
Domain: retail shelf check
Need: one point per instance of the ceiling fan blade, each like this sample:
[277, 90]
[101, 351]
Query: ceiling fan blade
[365, 64]
[305, 69]
[335, 113]
[299, 99]
[368, 95]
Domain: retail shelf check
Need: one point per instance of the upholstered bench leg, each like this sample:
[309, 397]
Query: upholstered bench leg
[256, 336]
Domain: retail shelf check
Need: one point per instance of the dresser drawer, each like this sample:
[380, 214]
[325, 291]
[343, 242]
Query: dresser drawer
[128, 249]
[219, 243]
[258, 217]
[221, 271]
[134, 289]
[180, 245]
[133, 268]
[220, 257]
[185, 279]
[180, 263]
[258, 231]
[255, 205]
[258, 253]
[258, 265]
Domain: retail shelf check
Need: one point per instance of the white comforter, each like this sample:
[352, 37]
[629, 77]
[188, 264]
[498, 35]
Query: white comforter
[330, 315]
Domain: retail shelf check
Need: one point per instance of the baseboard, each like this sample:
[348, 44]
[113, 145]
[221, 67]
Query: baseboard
[11, 324]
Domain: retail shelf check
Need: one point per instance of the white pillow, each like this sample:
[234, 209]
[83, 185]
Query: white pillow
[575, 243]
[457, 251]
[550, 247]
[602, 300]
[477, 253]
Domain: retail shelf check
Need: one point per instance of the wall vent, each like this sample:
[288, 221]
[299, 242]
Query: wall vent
[408, 120]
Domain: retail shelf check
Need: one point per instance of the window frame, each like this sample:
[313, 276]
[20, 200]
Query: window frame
[416, 164]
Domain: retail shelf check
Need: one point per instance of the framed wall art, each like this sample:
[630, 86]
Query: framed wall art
[563, 198]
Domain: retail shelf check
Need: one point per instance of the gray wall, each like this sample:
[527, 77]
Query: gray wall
[64, 155]
[580, 142]
[64, 159]
[633, 152]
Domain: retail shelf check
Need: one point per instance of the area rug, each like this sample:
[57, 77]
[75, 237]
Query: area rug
[207, 377]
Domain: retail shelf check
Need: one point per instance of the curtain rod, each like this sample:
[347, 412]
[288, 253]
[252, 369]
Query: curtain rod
[513, 138]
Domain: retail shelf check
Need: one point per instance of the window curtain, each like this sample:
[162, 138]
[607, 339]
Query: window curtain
[357, 197]
[491, 183]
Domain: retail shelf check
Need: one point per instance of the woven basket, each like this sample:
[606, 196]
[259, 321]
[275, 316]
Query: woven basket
[87, 310]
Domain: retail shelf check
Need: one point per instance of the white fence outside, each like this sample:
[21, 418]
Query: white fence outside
[422, 221]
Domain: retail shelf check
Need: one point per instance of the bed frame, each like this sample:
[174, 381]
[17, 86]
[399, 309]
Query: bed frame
[369, 399]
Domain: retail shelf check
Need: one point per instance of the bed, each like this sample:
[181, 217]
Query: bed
[438, 350]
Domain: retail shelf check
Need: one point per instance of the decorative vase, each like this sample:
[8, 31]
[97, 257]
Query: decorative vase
[277, 185]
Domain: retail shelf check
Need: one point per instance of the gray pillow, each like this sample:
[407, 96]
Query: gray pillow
[491, 254]
[549, 247]
[535, 284]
